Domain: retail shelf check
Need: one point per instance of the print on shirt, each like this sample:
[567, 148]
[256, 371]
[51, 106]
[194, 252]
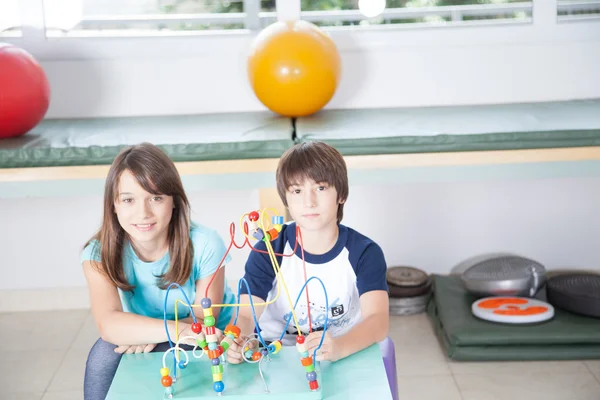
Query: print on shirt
[318, 317]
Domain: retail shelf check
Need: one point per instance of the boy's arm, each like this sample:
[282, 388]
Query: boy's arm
[373, 328]
[374, 307]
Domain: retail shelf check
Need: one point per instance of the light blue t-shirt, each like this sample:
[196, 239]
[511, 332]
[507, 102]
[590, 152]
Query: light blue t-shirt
[148, 299]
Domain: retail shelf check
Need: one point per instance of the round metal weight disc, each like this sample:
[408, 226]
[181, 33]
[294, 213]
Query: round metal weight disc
[406, 276]
[512, 310]
[409, 305]
[410, 291]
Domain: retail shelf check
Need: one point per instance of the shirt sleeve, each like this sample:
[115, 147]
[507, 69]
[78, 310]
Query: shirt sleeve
[371, 270]
[91, 252]
[209, 250]
[259, 273]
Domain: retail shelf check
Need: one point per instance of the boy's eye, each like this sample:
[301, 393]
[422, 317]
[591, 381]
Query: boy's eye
[296, 191]
[321, 188]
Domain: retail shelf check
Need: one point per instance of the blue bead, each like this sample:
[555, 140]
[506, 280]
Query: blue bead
[311, 376]
[219, 386]
[264, 351]
[181, 364]
[212, 346]
[205, 303]
[169, 390]
[304, 354]
[215, 361]
[230, 335]
[248, 354]
[277, 220]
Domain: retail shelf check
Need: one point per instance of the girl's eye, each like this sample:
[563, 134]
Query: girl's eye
[127, 200]
[157, 198]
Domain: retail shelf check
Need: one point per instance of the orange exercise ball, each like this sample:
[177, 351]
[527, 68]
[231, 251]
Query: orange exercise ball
[294, 68]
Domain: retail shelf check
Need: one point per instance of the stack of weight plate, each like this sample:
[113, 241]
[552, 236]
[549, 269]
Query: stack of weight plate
[410, 289]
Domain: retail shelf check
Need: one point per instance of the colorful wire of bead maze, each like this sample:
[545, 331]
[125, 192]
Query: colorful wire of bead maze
[272, 358]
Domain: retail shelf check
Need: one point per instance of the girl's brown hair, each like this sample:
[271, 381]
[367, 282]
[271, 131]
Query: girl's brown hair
[317, 161]
[156, 173]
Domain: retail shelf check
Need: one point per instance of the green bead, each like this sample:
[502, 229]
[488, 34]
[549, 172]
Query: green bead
[225, 345]
[310, 368]
[217, 369]
[201, 343]
[209, 321]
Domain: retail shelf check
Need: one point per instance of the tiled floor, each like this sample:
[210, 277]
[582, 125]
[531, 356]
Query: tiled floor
[45, 352]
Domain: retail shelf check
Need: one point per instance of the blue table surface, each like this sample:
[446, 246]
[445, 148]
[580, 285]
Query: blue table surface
[359, 376]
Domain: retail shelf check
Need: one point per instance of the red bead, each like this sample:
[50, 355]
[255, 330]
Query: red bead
[314, 385]
[210, 330]
[300, 339]
[166, 381]
[253, 216]
[256, 356]
[197, 327]
[221, 350]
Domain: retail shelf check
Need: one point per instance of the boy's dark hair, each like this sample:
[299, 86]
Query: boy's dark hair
[317, 161]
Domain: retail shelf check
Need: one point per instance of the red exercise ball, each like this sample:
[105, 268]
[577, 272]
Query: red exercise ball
[24, 91]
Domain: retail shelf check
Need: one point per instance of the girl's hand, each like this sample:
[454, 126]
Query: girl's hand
[135, 349]
[329, 351]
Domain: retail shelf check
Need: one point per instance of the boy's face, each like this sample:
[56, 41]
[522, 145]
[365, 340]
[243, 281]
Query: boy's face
[313, 205]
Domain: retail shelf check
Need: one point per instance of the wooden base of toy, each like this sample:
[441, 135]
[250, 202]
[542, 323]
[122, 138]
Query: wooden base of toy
[362, 374]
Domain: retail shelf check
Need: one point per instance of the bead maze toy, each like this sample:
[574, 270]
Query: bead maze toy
[206, 339]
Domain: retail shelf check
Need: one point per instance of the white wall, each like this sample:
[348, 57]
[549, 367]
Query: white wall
[432, 225]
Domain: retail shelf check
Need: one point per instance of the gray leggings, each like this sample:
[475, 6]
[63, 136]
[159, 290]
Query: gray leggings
[102, 365]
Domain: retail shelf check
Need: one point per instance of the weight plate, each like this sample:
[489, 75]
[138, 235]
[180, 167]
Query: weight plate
[406, 276]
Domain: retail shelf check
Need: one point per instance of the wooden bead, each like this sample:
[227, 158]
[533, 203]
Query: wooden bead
[256, 356]
[210, 330]
[166, 381]
[314, 385]
[306, 361]
[301, 347]
[212, 338]
[232, 329]
[208, 312]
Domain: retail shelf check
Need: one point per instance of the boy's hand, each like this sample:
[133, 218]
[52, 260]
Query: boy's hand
[135, 349]
[329, 350]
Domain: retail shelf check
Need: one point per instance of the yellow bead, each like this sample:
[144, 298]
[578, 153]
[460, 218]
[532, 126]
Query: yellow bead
[217, 377]
[164, 371]
[208, 312]
[277, 227]
[277, 344]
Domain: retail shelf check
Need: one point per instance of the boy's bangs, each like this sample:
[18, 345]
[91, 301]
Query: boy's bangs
[297, 172]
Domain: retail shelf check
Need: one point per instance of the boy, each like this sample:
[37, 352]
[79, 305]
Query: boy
[312, 182]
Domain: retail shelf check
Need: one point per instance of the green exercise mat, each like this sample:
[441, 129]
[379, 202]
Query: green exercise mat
[566, 337]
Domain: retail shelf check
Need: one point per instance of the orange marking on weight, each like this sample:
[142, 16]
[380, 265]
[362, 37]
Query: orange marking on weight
[495, 303]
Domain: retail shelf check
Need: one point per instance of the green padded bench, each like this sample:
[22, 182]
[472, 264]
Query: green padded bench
[70, 157]
[466, 338]
[455, 129]
[78, 142]
[462, 143]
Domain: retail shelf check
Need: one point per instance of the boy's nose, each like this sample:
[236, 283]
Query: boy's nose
[310, 199]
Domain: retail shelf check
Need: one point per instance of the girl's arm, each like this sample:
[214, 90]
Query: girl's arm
[215, 294]
[121, 328]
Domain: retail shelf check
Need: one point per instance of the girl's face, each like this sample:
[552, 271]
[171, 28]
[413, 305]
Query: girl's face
[144, 216]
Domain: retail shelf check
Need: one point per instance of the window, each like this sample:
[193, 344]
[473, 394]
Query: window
[10, 18]
[577, 10]
[150, 17]
[417, 12]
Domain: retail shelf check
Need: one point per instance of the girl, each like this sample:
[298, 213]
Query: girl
[145, 243]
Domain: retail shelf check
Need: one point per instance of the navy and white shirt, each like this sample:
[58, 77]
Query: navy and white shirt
[355, 265]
